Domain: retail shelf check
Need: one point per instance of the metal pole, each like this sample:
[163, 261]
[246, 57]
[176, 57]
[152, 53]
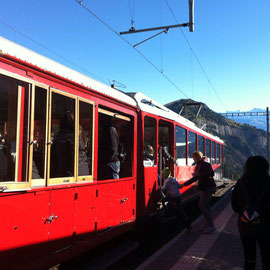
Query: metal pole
[267, 120]
[191, 15]
[154, 28]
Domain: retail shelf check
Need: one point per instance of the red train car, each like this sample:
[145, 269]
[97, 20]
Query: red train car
[160, 127]
[55, 199]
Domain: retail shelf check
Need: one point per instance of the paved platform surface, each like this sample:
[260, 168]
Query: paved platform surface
[221, 250]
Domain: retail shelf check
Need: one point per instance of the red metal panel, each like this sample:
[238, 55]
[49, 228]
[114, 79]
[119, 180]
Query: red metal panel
[115, 203]
[150, 191]
[184, 173]
[24, 230]
[102, 207]
[84, 217]
[61, 228]
[129, 203]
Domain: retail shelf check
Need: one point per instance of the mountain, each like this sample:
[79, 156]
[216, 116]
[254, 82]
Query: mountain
[241, 140]
[257, 121]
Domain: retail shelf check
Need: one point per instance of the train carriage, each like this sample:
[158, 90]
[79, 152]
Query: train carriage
[161, 127]
[55, 198]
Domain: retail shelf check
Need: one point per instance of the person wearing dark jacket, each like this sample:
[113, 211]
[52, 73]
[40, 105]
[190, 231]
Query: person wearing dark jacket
[109, 142]
[206, 185]
[252, 190]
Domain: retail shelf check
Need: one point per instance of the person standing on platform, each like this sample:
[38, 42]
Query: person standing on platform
[251, 200]
[171, 190]
[206, 185]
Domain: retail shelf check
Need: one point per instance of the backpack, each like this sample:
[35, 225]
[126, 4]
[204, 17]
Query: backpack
[251, 221]
[121, 153]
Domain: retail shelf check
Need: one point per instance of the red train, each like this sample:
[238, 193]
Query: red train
[54, 197]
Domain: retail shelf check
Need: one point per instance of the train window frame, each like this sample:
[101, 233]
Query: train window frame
[16, 185]
[61, 180]
[39, 181]
[85, 178]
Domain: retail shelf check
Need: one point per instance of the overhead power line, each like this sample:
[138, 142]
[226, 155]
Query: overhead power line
[196, 57]
[139, 52]
[50, 50]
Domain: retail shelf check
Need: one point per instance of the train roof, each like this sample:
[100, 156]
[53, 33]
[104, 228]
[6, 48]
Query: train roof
[148, 105]
[19, 52]
[9, 48]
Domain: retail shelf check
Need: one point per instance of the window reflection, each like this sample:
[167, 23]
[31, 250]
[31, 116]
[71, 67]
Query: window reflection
[39, 133]
[8, 128]
[201, 144]
[62, 136]
[207, 148]
[150, 142]
[181, 145]
[191, 146]
[85, 138]
[213, 159]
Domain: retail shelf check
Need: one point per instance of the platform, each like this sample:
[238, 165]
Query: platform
[196, 251]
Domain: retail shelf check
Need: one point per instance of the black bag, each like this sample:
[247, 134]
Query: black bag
[121, 153]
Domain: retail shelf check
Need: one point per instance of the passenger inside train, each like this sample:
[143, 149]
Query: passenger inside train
[114, 148]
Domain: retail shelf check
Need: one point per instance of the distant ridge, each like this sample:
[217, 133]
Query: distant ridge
[241, 140]
[256, 121]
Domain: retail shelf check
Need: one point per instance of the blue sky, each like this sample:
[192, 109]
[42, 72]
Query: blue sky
[231, 40]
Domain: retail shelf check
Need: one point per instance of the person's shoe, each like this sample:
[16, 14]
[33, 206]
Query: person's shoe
[209, 229]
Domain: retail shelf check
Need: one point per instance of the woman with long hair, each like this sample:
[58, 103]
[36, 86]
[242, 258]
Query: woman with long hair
[204, 173]
[251, 200]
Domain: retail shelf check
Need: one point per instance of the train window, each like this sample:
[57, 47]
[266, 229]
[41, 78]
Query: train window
[85, 145]
[115, 145]
[181, 145]
[213, 153]
[218, 153]
[222, 154]
[38, 138]
[62, 134]
[165, 140]
[14, 132]
[207, 149]
[150, 142]
[201, 144]
[192, 146]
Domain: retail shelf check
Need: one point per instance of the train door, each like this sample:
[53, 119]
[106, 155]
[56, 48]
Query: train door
[150, 168]
[166, 146]
[114, 194]
[61, 170]
[23, 227]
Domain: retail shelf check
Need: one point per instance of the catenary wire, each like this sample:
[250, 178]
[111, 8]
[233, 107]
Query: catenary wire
[139, 52]
[196, 57]
[50, 50]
